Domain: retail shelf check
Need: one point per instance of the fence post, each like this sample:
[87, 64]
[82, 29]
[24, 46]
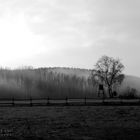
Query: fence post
[85, 100]
[48, 101]
[121, 101]
[13, 101]
[31, 101]
[66, 100]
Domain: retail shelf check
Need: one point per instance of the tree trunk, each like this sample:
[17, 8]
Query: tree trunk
[110, 91]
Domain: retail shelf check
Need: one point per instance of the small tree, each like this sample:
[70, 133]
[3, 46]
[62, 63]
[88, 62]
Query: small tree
[108, 71]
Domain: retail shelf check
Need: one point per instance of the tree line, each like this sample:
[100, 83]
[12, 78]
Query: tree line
[44, 82]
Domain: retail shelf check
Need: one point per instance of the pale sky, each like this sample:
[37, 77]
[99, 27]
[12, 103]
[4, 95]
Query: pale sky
[69, 33]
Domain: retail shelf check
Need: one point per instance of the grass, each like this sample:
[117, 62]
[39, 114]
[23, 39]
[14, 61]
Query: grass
[70, 122]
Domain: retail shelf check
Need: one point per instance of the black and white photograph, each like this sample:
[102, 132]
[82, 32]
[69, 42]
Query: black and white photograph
[70, 69]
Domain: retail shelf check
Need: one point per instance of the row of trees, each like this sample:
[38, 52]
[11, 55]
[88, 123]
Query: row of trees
[44, 82]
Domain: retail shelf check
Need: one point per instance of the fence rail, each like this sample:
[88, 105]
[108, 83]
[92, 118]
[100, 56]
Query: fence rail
[67, 101]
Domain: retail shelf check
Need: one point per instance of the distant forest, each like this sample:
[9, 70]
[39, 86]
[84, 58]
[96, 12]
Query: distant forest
[43, 83]
[50, 82]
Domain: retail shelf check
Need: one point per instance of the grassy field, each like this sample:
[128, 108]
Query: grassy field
[70, 122]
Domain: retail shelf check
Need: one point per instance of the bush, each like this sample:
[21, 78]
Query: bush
[130, 93]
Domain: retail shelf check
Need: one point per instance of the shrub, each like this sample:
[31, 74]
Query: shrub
[129, 93]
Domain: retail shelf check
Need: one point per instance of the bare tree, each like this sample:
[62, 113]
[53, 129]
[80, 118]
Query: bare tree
[108, 71]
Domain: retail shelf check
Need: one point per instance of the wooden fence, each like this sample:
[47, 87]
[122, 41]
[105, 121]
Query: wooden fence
[67, 101]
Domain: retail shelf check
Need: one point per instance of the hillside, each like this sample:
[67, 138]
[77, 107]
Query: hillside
[71, 71]
[56, 82]
[132, 81]
[129, 81]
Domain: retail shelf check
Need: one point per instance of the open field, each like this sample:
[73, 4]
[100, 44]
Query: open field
[70, 122]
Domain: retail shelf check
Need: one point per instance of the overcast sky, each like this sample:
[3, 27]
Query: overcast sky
[69, 33]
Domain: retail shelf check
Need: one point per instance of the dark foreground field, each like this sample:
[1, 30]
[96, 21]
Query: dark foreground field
[70, 122]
